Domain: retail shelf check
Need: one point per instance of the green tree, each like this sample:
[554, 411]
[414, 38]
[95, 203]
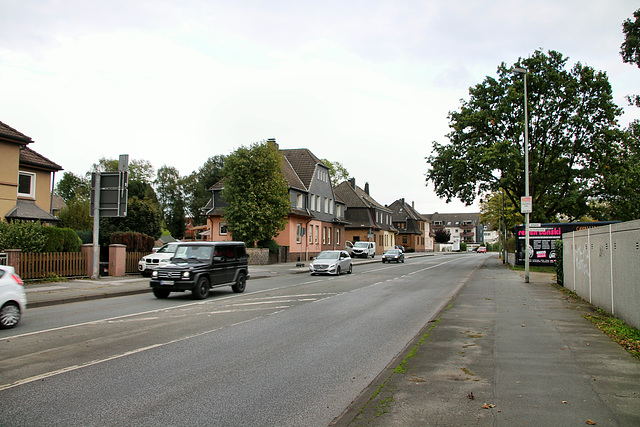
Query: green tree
[573, 125]
[196, 187]
[630, 48]
[76, 215]
[143, 217]
[171, 199]
[442, 236]
[256, 193]
[337, 172]
[72, 186]
[618, 198]
[495, 208]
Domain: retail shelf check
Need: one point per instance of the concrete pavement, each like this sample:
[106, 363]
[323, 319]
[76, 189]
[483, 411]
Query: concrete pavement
[502, 353]
[506, 353]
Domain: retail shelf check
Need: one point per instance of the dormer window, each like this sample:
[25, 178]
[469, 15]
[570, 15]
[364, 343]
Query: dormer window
[27, 184]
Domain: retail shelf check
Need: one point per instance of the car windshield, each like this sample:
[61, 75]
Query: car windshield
[361, 245]
[392, 252]
[168, 249]
[201, 253]
[328, 255]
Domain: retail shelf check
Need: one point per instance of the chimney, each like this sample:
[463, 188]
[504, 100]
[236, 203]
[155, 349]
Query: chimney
[366, 188]
[352, 182]
[272, 141]
[413, 204]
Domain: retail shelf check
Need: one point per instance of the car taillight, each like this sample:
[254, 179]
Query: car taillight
[17, 279]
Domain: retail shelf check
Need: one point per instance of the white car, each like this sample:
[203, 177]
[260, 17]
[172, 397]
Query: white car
[331, 262]
[159, 258]
[13, 300]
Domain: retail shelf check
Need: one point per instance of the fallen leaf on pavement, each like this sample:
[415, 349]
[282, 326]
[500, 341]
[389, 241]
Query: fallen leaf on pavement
[591, 423]
[488, 406]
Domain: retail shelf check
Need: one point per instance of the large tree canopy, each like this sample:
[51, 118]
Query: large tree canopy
[572, 126]
[256, 193]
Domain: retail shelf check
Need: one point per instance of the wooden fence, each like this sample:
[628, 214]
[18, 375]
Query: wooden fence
[132, 261]
[63, 264]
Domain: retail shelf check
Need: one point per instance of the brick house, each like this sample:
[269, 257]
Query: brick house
[414, 230]
[369, 221]
[316, 218]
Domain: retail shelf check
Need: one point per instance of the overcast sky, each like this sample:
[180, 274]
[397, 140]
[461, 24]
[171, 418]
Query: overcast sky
[367, 83]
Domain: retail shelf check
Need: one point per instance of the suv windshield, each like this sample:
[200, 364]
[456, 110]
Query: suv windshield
[168, 249]
[201, 253]
[361, 245]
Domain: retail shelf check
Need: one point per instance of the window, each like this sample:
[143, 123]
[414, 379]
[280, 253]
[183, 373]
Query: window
[27, 184]
[318, 204]
[223, 229]
[313, 203]
[329, 236]
[337, 237]
[310, 234]
[326, 205]
[298, 233]
[317, 233]
[331, 206]
[299, 201]
[324, 235]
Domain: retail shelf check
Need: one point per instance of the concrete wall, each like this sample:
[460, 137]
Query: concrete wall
[602, 265]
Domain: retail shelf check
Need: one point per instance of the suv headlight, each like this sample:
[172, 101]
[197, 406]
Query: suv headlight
[186, 275]
[154, 274]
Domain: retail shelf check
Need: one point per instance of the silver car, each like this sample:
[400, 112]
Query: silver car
[13, 300]
[331, 262]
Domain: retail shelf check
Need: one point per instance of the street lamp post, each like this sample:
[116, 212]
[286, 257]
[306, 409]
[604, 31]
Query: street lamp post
[524, 72]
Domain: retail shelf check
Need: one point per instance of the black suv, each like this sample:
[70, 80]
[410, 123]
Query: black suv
[199, 266]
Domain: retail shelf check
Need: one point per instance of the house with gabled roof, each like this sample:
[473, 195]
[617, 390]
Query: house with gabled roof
[316, 218]
[369, 221]
[414, 230]
[25, 179]
[462, 227]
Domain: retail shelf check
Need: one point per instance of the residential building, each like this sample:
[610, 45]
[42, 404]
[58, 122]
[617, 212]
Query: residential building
[463, 227]
[316, 219]
[25, 179]
[414, 231]
[369, 221]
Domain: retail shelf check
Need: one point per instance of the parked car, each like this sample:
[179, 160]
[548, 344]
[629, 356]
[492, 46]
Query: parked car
[159, 258]
[200, 266]
[393, 255]
[13, 299]
[482, 250]
[364, 249]
[331, 262]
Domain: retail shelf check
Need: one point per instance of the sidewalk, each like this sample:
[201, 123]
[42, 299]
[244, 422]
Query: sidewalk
[506, 353]
[54, 293]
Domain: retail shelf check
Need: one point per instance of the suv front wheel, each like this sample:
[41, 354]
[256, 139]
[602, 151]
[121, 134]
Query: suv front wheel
[241, 283]
[201, 291]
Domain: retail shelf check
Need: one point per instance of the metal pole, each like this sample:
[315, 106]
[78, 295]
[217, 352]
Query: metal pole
[96, 226]
[526, 181]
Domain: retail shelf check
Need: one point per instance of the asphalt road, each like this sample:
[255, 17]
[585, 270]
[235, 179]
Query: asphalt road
[294, 350]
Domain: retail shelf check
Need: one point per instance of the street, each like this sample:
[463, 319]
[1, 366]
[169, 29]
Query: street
[292, 350]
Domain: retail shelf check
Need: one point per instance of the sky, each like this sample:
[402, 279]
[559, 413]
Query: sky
[366, 83]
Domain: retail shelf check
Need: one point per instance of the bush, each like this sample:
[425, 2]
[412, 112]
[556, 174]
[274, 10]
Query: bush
[463, 247]
[135, 242]
[27, 236]
[61, 240]
[271, 244]
[86, 236]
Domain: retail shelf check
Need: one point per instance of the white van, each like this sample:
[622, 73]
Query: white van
[364, 249]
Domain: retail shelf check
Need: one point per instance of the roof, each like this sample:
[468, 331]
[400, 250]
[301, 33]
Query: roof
[355, 197]
[28, 210]
[28, 157]
[303, 162]
[454, 218]
[9, 133]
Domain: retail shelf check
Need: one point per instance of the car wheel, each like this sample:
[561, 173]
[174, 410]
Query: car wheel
[201, 291]
[161, 293]
[403, 260]
[241, 283]
[9, 315]
[338, 272]
[350, 270]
